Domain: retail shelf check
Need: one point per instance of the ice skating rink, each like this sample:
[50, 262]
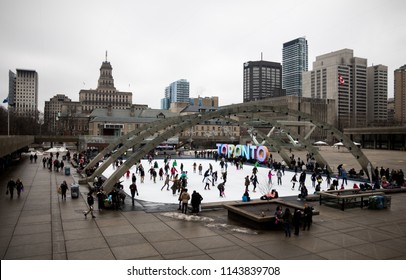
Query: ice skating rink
[234, 187]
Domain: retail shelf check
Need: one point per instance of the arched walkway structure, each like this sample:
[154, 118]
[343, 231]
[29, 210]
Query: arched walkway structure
[161, 130]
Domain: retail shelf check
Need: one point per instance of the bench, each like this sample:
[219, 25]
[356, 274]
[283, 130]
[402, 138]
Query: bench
[251, 213]
[345, 198]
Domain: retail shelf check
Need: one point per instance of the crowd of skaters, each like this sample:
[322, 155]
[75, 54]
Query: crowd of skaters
[174, 178]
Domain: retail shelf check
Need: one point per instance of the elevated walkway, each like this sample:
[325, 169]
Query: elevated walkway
[11, 144]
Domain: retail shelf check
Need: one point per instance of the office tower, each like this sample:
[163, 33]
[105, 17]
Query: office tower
[177, 91]
[294, 63]
[262, 79]
[23, 92]
[105, 94]
[400, 95]
[342, 77]
[52, 112]
[377, 94]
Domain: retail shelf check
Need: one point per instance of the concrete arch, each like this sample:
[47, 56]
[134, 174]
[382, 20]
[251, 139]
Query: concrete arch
[157, 125]
[192, 120]
[306, 144]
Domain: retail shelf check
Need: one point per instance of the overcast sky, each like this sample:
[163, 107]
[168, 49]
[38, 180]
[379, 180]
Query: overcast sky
[152, 43]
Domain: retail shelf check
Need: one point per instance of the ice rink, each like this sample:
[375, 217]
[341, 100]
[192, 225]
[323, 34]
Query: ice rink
[234, 187]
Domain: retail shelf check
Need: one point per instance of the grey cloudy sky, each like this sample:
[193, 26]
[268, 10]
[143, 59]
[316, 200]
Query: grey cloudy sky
[152, 43]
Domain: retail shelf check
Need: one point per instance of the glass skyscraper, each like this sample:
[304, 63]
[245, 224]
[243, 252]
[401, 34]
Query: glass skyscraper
[294, 63]
[177, 91]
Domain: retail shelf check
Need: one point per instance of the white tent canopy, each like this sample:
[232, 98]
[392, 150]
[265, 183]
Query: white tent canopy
[320, 143]
[57, 150]
[341, 144]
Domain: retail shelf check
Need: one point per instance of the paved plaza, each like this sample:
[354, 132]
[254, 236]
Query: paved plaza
[39, 225]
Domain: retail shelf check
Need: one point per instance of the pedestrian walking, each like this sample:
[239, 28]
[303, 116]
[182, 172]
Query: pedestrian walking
[64, 188]
[90, 203]
[133, 190]
[19, 187]
[10, 188]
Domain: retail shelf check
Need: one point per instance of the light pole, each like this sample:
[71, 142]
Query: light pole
[8, 120]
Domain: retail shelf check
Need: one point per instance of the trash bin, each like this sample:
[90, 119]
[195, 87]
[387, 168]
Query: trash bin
[67, 170]
[74, 190]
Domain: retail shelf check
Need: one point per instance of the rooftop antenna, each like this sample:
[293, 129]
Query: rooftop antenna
[261, 56]
[106, 56]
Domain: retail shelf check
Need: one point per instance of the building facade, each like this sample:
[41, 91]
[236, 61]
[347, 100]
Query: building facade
[177, 91]
[400, 95]
[262, 79]
[377, 95]
[342, 77]
[105, 94]
[294, 63]
[212, 101]
[391, 110]
[23, 92]
[52, 112]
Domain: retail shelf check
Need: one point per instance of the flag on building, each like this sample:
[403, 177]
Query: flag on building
[341, 80]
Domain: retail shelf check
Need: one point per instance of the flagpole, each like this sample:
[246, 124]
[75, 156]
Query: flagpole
[8, 120]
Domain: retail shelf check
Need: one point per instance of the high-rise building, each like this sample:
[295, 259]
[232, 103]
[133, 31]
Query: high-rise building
[400, 95]
[262, 79]
[177, 91]
[377, 94]
[342, 77]
[294, 63]
[52, 112]
[105, 94]
[23, 92]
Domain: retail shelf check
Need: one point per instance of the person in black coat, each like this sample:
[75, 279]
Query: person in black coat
[196, 201]
[133, 190]
[308, 216]
[297, 216]
[64, 188]
[90, 202]
[10, 188]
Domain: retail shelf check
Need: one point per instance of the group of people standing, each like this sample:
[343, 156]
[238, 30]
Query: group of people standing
[295, 219]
